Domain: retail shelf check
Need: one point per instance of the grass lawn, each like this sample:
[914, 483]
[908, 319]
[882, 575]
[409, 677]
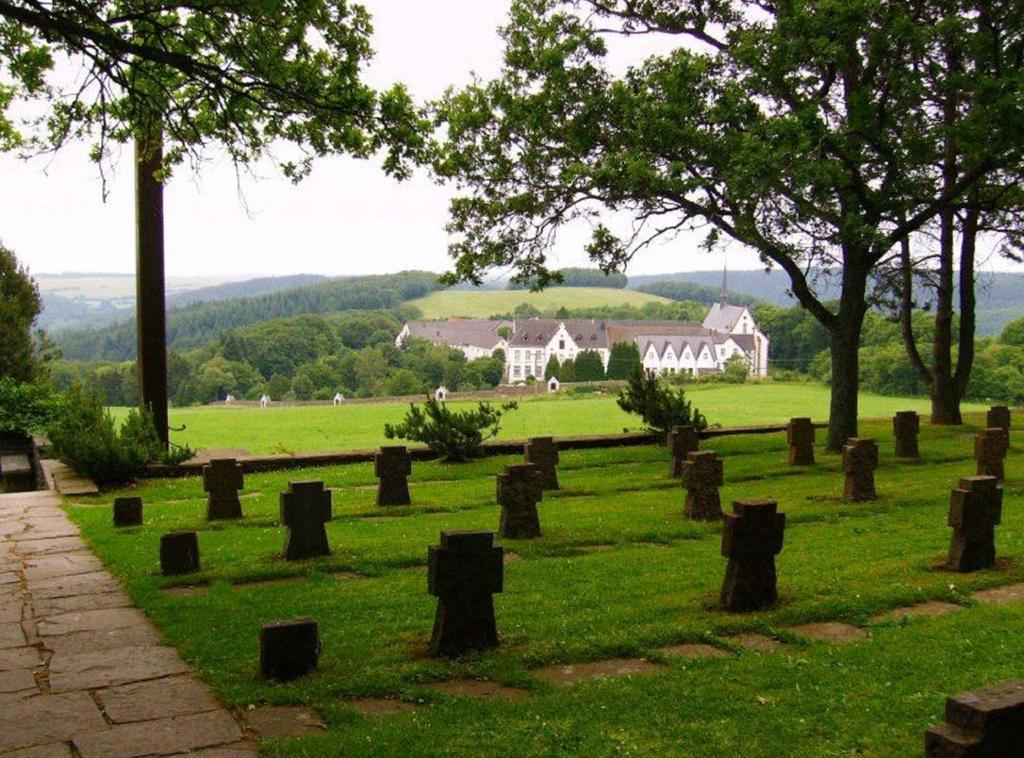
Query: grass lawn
[618, 572]
[320, 428]
[447, 304]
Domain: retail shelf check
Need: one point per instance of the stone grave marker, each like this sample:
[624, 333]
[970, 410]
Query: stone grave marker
[682, 441]
[222, 479]
[860, 459]
[289, 649]
[179, 553]
[990, 448]
[463, 573]
[393, 465]
[800, 437]
[519, 491]
[975, 507]
[751, 538]
[905, 427]
[998, 416]
[127, 511]
[305, 508]
[985, 723]
[542, 452]
[703, 474]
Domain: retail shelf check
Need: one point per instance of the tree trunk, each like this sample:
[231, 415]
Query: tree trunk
[845, 353]
[150, 306]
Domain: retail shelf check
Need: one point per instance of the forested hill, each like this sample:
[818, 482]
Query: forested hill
[249, 288]
[194, 325]
[1000, 294]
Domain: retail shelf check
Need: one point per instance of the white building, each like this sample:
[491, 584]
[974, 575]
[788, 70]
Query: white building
[665, 347]
[476, 338]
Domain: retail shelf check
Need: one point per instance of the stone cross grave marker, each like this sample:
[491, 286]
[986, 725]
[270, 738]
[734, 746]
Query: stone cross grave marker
[860, 459]
[975, 507]
[800, 437]
[990, 448]
[542, 452]
[703, 474]
[682, 441]
[222, 479]
[127, 511]
[179, 553]
[985, 723]
[463, 573]
[751, 538]
[305, 508]
[519, 491]
[998, 416]
[905, 427]
[289, 649]
[393, 465]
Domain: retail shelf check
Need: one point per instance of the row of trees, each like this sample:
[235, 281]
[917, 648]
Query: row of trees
[842, 137]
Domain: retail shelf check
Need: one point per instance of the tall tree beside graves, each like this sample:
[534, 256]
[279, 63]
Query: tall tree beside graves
[589, 367]
[805, 131]
[178, 77]
[623, 360]
[985, 46]
[19, 307]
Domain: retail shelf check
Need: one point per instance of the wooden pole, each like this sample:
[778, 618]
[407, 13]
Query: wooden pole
[150, 314]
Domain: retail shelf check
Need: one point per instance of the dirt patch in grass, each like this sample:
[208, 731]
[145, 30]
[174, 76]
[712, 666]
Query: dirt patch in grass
[762, 643]
[829, 631]
[929, 609]
[380, 706]
[564, 675]
[478, 688]
[1011, 593]
[694, 651]
[256, 584]
[283, 720]
[511, 557]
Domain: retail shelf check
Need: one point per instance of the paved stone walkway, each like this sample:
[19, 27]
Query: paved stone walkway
[82, 672]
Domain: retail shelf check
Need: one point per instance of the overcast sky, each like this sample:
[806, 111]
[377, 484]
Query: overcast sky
[346, 219]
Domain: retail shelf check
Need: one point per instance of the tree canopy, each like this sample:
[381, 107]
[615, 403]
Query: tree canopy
[807, 131]
[242, 75]
[19, 306]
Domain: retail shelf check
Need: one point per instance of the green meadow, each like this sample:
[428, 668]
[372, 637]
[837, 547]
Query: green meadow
[617, 573]
[449, 304]
[358, 425]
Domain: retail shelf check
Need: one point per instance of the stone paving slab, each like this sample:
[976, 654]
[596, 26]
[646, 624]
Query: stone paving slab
[91, 621]
[107, 668]
[78, 584]
[106, 639]
[18, 680]
[52, 606]
[61, 564]
[180, 734]
[19, 658]
[567, 674]
[694, 651]
[48, 718]
[929, 609]
[53, 750]
[11, 635]
[160, 698]
[759, 642]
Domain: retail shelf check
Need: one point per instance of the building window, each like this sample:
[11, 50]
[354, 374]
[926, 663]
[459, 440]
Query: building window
[561, 344]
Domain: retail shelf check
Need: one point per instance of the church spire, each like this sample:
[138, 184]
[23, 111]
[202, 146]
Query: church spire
[725, 283]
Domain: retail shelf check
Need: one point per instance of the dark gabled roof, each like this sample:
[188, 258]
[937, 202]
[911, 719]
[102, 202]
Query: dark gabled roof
[538, 332]
[745, 341]
[459, 332]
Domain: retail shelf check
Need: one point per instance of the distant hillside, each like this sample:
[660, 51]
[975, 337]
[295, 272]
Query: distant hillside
[91, 301]
[1000, 294]
[195, 324]
[249, 288]
[693, 292]
[468, 304]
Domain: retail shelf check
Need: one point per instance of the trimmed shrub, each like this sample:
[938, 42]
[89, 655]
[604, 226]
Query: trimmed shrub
[454, 435]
